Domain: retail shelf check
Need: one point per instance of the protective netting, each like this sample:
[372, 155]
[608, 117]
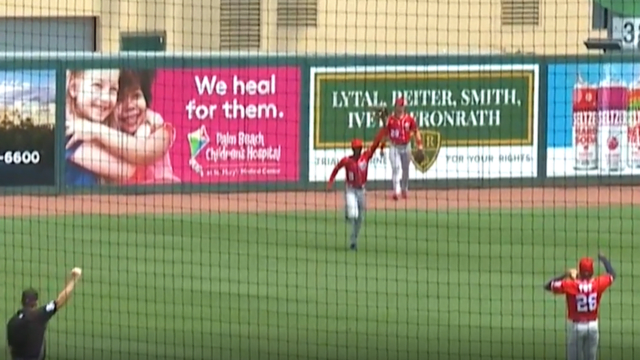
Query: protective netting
[185, 176]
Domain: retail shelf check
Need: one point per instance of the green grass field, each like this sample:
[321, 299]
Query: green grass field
[439, 285]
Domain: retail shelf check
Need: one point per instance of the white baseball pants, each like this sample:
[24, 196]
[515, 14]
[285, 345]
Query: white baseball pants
[400, 159]
[582, 340]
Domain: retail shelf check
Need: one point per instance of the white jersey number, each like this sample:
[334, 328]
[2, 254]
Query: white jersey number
[587, 302]
[394, 134]
[351, 176]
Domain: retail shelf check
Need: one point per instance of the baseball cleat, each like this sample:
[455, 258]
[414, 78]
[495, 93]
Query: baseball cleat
[395, 197]
[353, 247]
[404, 194]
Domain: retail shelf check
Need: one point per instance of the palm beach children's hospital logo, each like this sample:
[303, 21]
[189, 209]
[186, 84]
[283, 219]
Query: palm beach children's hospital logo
[198, 140]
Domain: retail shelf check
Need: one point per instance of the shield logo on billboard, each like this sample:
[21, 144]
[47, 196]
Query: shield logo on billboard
[431, 143]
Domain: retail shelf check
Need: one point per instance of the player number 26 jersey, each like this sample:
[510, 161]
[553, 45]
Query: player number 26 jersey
[583, 296]
[399, 129]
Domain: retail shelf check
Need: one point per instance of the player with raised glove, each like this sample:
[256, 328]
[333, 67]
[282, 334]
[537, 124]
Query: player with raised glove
[400, 128]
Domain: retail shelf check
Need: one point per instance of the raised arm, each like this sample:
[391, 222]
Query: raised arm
[607, 265]
[551, 285]
[378, 141]
[334, 173]
[370, 152]
[65, 294]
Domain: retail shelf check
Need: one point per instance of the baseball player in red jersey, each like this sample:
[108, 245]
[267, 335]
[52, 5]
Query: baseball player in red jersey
[399, 129]
[356, 167]
[583, 294]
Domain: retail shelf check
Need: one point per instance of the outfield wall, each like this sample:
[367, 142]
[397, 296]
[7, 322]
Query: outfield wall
[278, 122]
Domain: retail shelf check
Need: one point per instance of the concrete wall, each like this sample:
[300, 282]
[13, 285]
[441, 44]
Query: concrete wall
[435, 26]
[353, 26]
[192, 25]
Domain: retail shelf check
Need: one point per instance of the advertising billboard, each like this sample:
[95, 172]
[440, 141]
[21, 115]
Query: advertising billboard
[593, 120]
[164, 126]
[478, 121]
[27, 127]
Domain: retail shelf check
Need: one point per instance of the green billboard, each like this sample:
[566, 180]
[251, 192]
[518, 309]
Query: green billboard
[466, 105]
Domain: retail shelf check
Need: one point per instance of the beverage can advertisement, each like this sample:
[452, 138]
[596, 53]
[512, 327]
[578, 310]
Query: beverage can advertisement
[593, 119]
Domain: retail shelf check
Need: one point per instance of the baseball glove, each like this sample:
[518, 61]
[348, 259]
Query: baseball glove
[418, 156]
[381, 112]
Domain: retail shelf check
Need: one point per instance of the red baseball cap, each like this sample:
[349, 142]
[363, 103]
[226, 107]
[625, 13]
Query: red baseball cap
[586, 265]
[400, 101]
[356, 144]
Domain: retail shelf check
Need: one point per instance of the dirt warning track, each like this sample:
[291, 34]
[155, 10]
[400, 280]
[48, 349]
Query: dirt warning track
[316, 201]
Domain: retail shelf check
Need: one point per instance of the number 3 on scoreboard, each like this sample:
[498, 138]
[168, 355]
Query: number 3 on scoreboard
[586, 302]
[630, 32]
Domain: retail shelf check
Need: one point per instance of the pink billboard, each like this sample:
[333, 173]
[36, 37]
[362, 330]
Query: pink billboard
[207, 125]
[233, 125]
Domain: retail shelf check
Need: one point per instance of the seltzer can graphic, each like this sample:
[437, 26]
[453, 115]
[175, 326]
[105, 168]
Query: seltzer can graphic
[585, 126]
[612, 99]
[633, 127]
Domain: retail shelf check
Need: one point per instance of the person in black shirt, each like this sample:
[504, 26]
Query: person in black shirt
[25, 329]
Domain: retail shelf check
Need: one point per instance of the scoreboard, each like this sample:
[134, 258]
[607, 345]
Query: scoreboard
[627, 30]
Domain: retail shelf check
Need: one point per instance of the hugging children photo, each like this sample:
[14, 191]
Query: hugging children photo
[112, 135]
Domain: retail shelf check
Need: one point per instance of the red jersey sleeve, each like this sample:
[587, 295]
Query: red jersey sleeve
[336, 169]
[368, 154]
[379, 139]
[372, 150]
[559, 287]
[604, 282]
[413, 126]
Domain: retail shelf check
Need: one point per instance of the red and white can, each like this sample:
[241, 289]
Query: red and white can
[633, 126]
[613, 102]
[585, 126]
